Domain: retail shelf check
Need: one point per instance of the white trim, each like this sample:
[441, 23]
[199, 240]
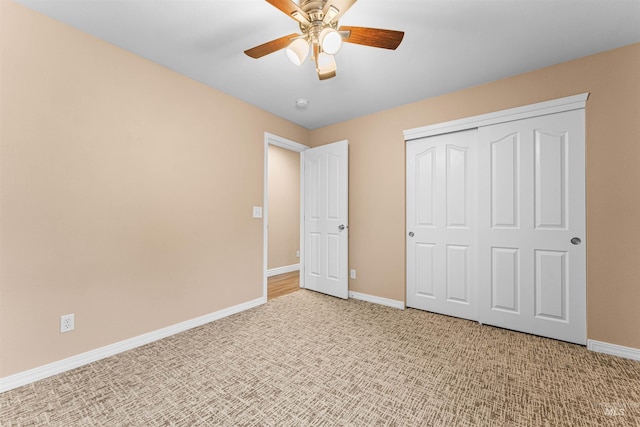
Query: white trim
[377, 300]
[301, 244]
[41, 372]
[283, 269]
[284, 142]
[568, 103]
[271, 139]
[614, 349]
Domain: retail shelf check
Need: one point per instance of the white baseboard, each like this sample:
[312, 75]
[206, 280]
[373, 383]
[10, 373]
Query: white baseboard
[41, 372]
[282, 270]
[614, 349]
[377, 300]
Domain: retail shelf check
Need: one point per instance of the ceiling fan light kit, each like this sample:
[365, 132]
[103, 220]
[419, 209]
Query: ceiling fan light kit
[326, 63]
[298, 51]
[318, 21]
[330, 40]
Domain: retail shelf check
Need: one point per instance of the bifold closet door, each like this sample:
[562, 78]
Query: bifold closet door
[531, 204]
[441, 224]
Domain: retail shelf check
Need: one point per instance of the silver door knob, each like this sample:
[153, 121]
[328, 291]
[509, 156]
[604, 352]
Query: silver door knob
[576, 241]
[411, 234]
[341, 227]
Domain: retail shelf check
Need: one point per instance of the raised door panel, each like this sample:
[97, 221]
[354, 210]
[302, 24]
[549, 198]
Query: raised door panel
[457, 192]
[334, 209]
[505, 188]
[551, 287]
[458, 274]
[425, 179]
[550, 179]
[313, 193]
[314, 254]
[333, 256]
[424, 269]
[505, 280]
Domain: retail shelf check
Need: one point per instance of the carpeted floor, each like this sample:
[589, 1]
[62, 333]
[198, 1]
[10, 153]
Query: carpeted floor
[308, 359]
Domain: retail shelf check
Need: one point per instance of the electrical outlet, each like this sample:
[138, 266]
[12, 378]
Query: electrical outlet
[353, 273]
[67, 323]
[297, 254]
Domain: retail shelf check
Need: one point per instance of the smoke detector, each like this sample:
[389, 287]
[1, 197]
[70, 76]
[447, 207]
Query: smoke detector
[302, 104]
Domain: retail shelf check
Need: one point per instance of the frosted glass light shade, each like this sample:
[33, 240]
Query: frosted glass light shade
[331, 41]
[326, 63]
[298, 51]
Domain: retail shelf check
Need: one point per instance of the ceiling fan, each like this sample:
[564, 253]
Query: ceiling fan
[321, 35]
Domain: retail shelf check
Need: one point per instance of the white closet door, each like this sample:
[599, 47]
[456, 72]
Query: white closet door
[532, 258]
[441, 224]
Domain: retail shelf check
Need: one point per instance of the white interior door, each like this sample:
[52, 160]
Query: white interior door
[326, 234]
[532, 270]
[441, 224]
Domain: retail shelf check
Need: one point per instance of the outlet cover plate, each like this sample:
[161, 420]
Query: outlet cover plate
[67, 323]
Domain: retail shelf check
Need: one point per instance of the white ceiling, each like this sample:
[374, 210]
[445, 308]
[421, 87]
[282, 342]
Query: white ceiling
[448, 45]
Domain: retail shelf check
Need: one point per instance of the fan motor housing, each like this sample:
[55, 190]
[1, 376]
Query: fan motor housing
[312, 6]
[312, 29]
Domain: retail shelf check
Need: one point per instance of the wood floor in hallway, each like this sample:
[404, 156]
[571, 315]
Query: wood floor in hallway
[283, 284]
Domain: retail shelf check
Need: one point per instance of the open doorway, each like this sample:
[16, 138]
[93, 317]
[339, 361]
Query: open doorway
[282, 216]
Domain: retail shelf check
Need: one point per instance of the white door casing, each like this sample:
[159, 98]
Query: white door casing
[532, 204]
[326, 234]
[271, 139]
[441, 224]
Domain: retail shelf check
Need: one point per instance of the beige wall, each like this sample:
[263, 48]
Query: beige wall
[126, 193]
[126, 189]
[284, 207]
[376, 180]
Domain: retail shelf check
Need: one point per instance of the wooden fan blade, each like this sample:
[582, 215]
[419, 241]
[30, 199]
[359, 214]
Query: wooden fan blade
[375, 37]
[270, 47]
[341, 5]
[291, 9]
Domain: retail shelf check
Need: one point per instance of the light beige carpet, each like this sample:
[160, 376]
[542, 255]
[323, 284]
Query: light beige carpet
[308, 359]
